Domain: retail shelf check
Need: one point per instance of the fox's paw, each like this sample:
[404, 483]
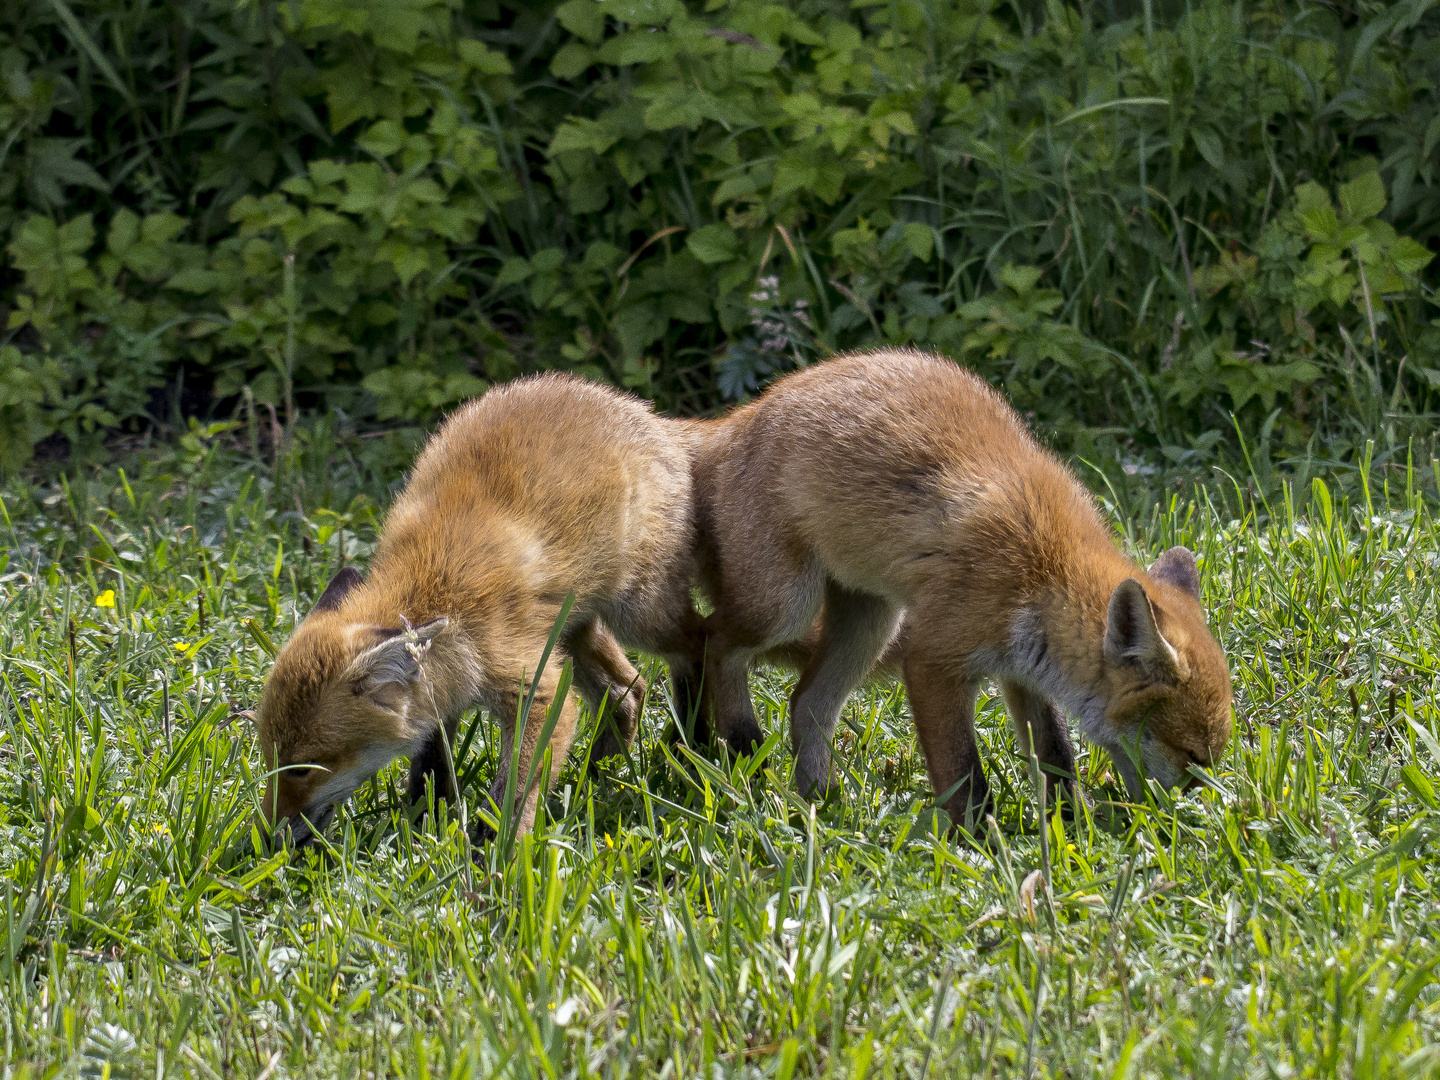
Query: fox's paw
[1068, 794]
[481, 834]
[813, 778]
[743, 738]
[971, 810]
[606, 745]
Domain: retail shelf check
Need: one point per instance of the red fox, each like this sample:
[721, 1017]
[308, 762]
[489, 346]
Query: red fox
[540, 487]
[894, 481]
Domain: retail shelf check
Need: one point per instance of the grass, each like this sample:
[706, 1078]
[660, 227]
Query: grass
[693, 918]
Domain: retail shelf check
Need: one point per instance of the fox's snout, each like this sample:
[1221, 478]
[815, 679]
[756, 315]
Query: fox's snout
[286, 827]
[294, 809]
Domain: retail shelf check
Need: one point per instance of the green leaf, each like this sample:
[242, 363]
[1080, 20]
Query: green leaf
[547, 260]
[482, 59]
[1020, 278]
[1210, 147]
[572, 60]
[644, 12]
[792, 175]
[1410, 256]
[680, 106]
[584, 18]
[196, 279]
[713, 244]
[637, 326]
[513, 271]
[1320, 492]
[920, 239]
[601, 255]
[87, 44]
[408, 260]
[124, 231]
[743, 183]
[1320, 222]
[638, 47]
[1363, 197]
[383, 139]
[1420, 786]
[581, 133]
[1310, 196]
[588, 193]
[161, 228]
[902, 122]
[1431, 743]
[54, 167]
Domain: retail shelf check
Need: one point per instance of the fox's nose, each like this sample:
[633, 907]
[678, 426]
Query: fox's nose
[297, 830]
[1204, 759]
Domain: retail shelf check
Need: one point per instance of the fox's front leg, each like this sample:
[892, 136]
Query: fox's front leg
[1040, 726]
[525, 802]
[603, 674]
[943, 704]
[429, 766]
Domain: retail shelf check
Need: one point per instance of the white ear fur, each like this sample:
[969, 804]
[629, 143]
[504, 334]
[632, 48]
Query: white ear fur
[1131, 633]
[396, 659]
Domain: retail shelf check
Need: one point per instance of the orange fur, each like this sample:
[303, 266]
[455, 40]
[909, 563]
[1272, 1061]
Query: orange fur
[893, 482]
[542, 486]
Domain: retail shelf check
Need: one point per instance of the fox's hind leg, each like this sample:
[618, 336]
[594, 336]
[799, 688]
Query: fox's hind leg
[603, 673]
[1040, 725]
[854, 630]
[765, 601]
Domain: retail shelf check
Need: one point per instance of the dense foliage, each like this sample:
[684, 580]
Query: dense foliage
[1144, 218]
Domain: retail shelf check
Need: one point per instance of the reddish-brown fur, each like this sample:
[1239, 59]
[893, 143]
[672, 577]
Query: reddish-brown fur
[894, 481]
[543, 486]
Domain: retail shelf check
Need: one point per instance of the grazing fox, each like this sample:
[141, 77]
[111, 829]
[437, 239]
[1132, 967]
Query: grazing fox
[894, 481]
[542, 486]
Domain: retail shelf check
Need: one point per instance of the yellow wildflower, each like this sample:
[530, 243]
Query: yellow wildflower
[182, 646]
[106, 599]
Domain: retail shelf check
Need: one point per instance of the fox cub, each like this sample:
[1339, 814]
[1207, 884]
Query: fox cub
[542, 486]
[896, 482]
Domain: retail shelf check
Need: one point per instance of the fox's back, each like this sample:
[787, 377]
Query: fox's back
[588, 480]
[883, 462]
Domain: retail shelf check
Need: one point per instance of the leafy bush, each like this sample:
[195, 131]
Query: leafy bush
[1141, 219]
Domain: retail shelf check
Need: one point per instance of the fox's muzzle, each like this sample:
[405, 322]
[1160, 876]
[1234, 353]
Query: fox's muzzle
[299, 830]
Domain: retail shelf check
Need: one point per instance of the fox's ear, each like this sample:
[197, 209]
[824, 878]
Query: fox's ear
[339, 587]
[1177, 567]
[1132, 636]
[396, 660]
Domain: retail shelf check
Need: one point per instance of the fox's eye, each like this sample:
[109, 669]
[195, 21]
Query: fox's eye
[300, 772]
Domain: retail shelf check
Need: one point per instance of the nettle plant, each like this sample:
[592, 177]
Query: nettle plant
[1324, 268]
[1117, 214]
[106, 314]
[342, 277]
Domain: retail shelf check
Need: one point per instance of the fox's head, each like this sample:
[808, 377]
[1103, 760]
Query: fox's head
[1166, 684]
[344, 698]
